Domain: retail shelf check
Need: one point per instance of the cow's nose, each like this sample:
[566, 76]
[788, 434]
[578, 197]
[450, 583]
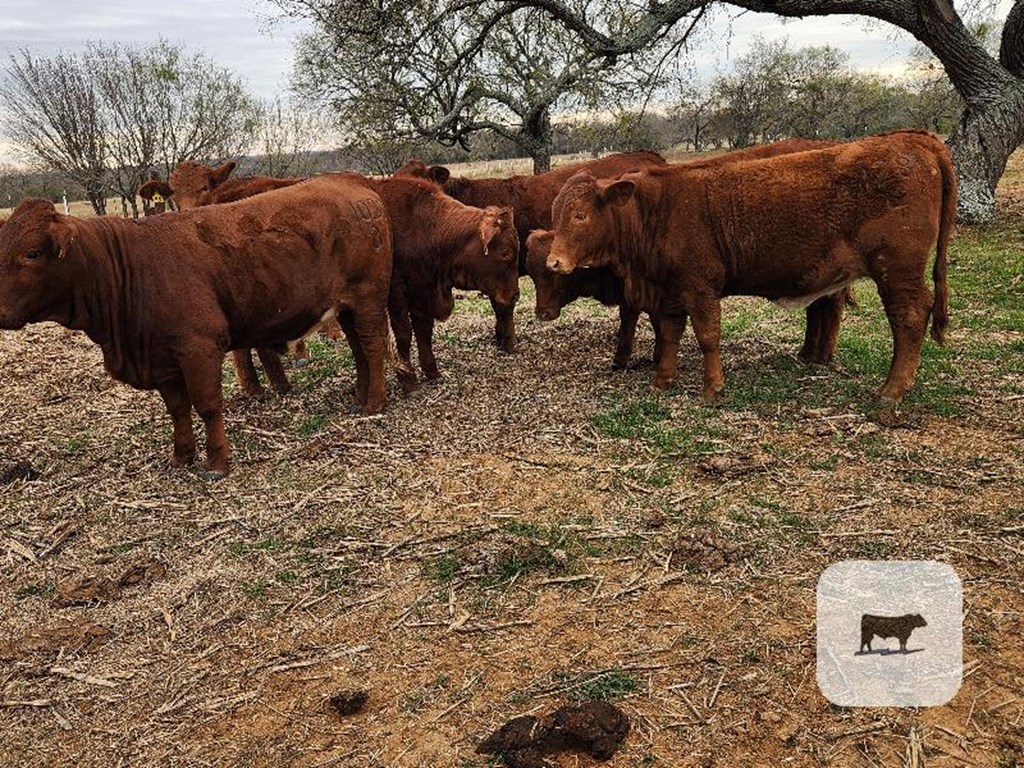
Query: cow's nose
[554, 264]
[547, 313]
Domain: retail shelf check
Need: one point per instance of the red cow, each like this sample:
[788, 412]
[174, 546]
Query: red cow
[166, 297]
[792, 229]
[554, 291]
[529, 196]
[194, 185]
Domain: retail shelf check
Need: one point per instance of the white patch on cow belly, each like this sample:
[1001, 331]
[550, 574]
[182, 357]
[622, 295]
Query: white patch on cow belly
[330, 314]
[802, 302]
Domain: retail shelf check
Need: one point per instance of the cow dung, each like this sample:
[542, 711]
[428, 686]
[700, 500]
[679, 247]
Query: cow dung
[349, 701]
[22, 470]
[594, 727]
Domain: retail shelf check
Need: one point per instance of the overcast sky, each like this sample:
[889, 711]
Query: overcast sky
[244, 36]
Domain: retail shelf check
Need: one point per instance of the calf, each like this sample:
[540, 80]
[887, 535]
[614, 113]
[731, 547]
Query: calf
[885, 627]
[529, 196]
[166, 297]
[195, 185]
[792, 228]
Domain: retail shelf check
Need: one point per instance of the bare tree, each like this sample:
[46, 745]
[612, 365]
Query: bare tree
[397, 68]
[109, 115]
[284, 138]
[54, 113]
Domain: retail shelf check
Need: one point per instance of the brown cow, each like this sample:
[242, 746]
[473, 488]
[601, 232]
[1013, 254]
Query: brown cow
[166, 297]
[554, 291]
[195, 185]
[529, 196]
[791, 228]
[441, 244]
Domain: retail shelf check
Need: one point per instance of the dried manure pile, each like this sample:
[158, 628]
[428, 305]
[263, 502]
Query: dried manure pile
[531, 532]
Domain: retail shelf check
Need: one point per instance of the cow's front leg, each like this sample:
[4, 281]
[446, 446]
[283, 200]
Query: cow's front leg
[627, 334]
[202, 370]
[504, 326]
[822, 335]
[275, 371]
[180, 409]
[706, 315]
[671, 331]
[401, 327]
[245, 371]
[423, 326]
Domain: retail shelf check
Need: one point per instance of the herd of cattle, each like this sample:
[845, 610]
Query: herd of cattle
[256, 263]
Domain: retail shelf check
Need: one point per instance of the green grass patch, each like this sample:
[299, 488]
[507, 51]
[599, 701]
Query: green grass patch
[650, 419]
[38, 589]
[612, 684]
[312, 424]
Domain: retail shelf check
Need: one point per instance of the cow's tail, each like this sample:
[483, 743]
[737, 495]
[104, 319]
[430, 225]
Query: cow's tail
[947, 216]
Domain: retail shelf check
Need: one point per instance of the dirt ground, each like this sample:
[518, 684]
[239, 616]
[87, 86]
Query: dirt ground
[531, 531]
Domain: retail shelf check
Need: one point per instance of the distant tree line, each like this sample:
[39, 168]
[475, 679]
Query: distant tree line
[106, 118]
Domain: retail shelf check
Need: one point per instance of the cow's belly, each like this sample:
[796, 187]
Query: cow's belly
[805, 300]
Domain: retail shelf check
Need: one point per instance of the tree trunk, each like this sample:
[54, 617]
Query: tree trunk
[538, 131]
[981, 144]
[97, 200]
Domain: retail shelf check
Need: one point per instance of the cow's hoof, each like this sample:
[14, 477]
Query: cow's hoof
[178, 462]
[300, 362]
[661, 384]
[213, 475]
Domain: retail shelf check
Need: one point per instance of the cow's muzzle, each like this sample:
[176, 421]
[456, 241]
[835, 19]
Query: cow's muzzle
[548, 313]
[557, 262]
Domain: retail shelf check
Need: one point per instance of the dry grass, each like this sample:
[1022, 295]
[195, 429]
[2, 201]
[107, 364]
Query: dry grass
[507, 540]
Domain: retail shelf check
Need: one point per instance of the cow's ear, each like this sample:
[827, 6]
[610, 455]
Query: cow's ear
[439, 174]
[490, 226]
[63, 237]
[220, 174]
[617, 192]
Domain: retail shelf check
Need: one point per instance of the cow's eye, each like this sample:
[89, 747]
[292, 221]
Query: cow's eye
[32, 255]
[580, 216]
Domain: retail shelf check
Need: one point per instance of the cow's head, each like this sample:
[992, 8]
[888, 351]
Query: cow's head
[583, 218]
[491, 261]
[192, 182]
[35, 281]
[417, 168]
[549, 286]
[917, 620]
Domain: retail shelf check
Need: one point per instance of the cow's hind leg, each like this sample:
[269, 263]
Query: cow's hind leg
[245, 371]
[504, 326]
[371, 329]
[628, 318]
[275, 371]
[908, 306]
[822, 335]
[706, 316]
[202, 371]
[180, 409]
[346, 320]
